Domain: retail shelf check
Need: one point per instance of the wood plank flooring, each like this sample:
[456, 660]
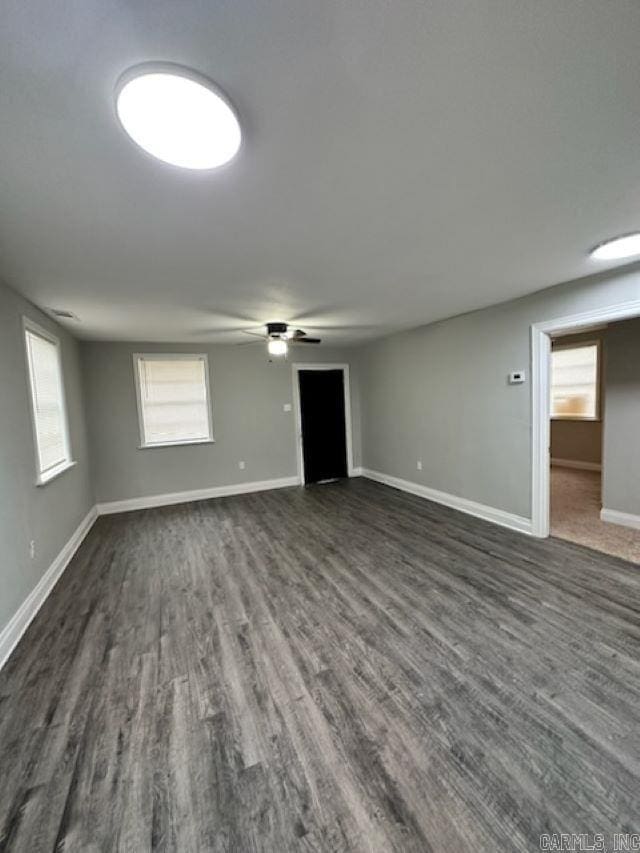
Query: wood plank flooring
[338, 668]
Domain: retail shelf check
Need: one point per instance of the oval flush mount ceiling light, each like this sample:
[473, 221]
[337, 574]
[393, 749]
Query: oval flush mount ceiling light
[625, 246]
[177, 116]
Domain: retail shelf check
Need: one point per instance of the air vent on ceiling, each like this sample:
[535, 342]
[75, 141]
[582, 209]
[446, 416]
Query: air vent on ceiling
[62, 314]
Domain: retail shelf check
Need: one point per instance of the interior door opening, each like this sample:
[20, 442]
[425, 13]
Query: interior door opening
[594, 408]
[323, 425]
[585, 375]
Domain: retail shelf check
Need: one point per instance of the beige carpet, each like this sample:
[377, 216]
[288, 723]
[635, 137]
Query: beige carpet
[575, 515]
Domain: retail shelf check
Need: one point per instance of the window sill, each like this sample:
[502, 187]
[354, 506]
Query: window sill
[574, 418]
[176, 443]
[48, 476]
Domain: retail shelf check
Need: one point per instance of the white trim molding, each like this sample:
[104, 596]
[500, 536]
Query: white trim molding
[171, 498]
[575, 463]
[22, 618]
[614, 516]
[488, 513]
[296, 368]
[541, 391]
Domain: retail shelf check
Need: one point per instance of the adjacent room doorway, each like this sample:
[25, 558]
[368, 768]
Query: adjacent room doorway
[541, 335]
[323, 422]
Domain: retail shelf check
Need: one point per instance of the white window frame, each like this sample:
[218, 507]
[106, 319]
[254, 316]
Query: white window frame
[44, 477]
[175, 356]
[579, 345]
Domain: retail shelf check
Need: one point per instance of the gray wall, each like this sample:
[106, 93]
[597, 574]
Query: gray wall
[440, 394]
[621, 468]
[47, 514]
[249, 423]
[579, 441]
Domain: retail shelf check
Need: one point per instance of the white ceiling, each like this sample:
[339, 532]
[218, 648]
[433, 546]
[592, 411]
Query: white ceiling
[403, 160]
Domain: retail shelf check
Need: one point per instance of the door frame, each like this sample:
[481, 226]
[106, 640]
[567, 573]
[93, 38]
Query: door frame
[541, 397]
[295, 369]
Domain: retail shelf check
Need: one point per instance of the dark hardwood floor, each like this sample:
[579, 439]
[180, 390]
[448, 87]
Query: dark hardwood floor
[339, 668]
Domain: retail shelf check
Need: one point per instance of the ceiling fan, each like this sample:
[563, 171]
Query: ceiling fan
[279, 337]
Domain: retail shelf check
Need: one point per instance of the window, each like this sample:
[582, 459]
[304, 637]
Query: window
[574, 382]
[48, 409]
[173, 399]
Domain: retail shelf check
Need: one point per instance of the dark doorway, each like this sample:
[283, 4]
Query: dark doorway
[322, 416]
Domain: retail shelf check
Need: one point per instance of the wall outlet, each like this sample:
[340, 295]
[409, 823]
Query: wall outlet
[517, 377]
[241, 466]
[286, 407]
[32, 549]
[419, 464]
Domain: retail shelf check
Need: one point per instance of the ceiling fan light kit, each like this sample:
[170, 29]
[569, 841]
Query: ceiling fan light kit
[277, 346]
[279, 338]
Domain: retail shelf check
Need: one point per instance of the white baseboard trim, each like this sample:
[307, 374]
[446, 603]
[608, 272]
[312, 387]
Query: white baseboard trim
[614, 516]
[22, 618]
[356, 472]
[171, 498]
[576, 463]
[488, 513]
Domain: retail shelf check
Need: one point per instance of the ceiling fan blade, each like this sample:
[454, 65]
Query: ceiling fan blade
[249, 343]
[306, 340]
[254, 334]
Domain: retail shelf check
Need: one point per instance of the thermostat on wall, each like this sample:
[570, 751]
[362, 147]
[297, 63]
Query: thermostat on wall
[516, 377]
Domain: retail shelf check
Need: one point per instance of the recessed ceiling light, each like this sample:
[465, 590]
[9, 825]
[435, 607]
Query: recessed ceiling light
[177, 116]
[620, 247]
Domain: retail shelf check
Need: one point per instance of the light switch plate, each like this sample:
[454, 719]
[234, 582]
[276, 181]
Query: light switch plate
[516, 377]
[286, 407]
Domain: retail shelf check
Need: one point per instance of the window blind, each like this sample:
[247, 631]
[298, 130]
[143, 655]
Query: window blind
[47, 399]
[173, 399]
[574, 382]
